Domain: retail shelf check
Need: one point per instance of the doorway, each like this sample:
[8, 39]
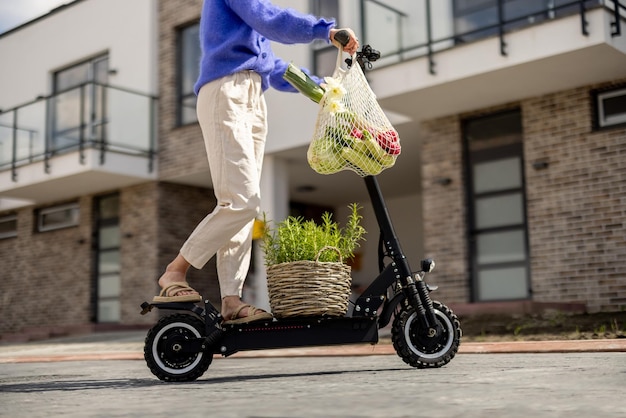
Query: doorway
[497, 225]
[107, 263]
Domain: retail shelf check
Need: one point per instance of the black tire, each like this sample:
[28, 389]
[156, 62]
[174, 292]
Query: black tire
[413, 345]
[164, 349]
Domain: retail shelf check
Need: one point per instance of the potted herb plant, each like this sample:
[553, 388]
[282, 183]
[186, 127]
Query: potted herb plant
[306, 272]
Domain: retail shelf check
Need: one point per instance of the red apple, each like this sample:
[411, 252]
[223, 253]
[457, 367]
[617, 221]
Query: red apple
[389, 142]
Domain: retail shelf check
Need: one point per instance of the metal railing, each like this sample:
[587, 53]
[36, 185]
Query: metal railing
[425, 27]
[88, 116]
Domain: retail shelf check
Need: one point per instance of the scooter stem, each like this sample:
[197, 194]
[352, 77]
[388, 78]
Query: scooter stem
[417, 292]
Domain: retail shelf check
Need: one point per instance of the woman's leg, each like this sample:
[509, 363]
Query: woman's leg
[232, 115]
[225, 116]
[233, 260]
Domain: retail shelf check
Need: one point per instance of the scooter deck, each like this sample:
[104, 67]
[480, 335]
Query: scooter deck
[296, 332]
[227, 339]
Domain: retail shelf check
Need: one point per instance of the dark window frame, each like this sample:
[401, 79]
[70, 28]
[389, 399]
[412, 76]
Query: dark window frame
[486, 154]
[181, 94]
[72, 223]
[320, 48]
[597, 97]
[12, 233]
[92, 109]
[510, 14]
[101, 220]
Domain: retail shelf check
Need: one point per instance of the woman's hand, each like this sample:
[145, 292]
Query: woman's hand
[353, 42]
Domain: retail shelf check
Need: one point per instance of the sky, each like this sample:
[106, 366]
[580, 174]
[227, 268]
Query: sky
[15, 12]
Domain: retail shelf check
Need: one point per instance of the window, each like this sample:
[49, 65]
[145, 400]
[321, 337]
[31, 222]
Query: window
[326, 8]
[8, 226]
[78, 112]
[474, 19]
[58, 217]
[471, 16]
[611, 107]
[324, 55]
[188, 71]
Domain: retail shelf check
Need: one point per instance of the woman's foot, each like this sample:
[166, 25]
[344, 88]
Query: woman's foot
[177, 292]
[174, 284]
[234, 311]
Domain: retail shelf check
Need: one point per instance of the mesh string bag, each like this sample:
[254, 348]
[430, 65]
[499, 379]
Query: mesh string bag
[351, 132]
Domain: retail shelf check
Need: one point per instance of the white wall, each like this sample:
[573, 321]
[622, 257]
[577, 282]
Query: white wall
[292, 116]
[406, 216]
[127, 30]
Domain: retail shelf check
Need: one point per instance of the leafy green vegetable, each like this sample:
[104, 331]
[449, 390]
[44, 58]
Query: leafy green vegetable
[324, 156]
[303, 83]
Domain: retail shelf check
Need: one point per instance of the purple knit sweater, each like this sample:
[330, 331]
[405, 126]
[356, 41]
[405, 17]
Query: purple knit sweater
[235, 35]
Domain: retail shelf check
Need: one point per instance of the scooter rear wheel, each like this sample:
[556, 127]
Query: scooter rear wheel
[415, 347]
[167, 352]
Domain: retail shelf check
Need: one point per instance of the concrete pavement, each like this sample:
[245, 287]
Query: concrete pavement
[128, 345]
[551, 385]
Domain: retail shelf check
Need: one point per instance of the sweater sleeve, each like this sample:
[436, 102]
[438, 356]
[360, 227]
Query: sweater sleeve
[286, 26]
[279, 83]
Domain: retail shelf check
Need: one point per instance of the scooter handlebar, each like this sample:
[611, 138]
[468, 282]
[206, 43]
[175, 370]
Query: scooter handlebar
[343, 37]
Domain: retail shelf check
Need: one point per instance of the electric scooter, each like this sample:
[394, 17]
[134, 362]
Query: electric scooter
[425, 333]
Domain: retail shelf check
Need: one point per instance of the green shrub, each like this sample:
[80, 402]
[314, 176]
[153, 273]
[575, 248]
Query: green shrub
[295, 239]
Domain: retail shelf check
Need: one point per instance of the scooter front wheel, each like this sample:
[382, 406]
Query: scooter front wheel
[413, 344]
[168, 350]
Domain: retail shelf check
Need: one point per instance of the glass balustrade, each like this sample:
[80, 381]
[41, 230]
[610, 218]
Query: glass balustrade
[89, 116]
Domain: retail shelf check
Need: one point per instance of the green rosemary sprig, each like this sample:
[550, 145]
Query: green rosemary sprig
[296, 239]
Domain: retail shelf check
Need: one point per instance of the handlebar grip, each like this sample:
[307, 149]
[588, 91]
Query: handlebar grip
[343, 37]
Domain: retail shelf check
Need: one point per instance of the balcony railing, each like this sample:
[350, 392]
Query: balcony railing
[89, 116]
[417, 28]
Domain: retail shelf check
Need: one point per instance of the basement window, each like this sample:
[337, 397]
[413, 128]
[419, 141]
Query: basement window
[8, 226]
[57, 217]
[611, 108]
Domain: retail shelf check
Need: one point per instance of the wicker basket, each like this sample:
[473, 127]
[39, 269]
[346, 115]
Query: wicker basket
[309, 288]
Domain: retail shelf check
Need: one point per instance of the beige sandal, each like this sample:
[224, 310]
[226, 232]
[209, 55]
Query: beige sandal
[168, 294]
[256, 315]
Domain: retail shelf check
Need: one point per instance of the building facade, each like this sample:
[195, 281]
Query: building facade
[512, 177]
[522, 151]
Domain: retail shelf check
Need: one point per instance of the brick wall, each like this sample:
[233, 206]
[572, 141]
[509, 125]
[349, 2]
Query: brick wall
[180, 209]
[156, 219]
[46, 276]
[47, 284]
[444, 207]
[181, 149]
[576, 206]
[139, 249]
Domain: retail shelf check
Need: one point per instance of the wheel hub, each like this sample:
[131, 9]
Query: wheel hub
[172, 349]
[429, 341]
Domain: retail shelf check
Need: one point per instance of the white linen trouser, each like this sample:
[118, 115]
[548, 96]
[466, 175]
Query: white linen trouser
[233, 117]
